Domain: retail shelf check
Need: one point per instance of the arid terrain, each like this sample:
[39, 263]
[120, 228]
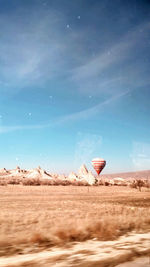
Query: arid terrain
[134, 175]
[73, 225]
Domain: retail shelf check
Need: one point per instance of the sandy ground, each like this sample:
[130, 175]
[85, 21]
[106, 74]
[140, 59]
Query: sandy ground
[90, 253]
[140, 262]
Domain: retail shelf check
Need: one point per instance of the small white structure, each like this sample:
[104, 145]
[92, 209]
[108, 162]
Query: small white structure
[111, 182]
[119, 181]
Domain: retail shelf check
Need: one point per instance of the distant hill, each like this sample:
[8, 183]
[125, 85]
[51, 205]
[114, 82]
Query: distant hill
[135, 175]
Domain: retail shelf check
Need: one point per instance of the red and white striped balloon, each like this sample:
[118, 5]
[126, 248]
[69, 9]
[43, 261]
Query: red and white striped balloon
[98, 164]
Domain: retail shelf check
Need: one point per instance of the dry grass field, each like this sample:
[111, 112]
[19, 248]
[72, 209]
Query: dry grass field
[35, 218]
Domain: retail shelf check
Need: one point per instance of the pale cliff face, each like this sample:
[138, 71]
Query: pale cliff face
[83, 170]
[72, 177]
[86, 175]
[83, 174]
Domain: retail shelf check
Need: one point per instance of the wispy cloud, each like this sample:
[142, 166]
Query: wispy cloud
[140, 155]
[111, 68]
[6, 129]
[32, 52]
[36, 51]
[86, 147]
[87, 113]
[81, 115]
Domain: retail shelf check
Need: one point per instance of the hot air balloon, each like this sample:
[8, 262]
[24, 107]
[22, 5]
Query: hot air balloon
[98, 164]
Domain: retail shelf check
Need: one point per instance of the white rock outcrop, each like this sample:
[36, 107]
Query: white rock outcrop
[84, 174]
[3, 171]
[61, 177]
[38, 173]
[33, 173]
[119, 181]
[83, 171]
[45, 175]
[16, 172]
[72, 177]
[90, 178]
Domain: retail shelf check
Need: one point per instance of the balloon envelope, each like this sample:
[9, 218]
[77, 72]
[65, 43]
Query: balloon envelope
[98, 164]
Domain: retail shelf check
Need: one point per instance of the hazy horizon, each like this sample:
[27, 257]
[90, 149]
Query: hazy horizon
[75, 84]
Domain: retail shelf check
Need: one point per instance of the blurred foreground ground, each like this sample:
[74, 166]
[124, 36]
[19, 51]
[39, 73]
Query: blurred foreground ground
[89, 253]
[140, 262]
[73, 226]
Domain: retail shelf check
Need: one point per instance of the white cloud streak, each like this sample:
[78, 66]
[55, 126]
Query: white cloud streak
[42, 51]
[31, 53]
[84, 114]
[93, 75]
[34, 53]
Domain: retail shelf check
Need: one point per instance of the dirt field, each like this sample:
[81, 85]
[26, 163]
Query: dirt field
[34, 219]
[90, 253]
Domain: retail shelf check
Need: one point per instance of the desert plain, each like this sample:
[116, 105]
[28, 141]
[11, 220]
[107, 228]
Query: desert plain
[73, 225]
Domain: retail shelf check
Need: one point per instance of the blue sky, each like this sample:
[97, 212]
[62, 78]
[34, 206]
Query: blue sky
[75, 84]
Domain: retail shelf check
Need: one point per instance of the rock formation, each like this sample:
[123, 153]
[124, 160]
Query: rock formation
[3, 171]
[83, 175]
[86, 175]
[72, 177]
[82, 171]
[38, 173]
